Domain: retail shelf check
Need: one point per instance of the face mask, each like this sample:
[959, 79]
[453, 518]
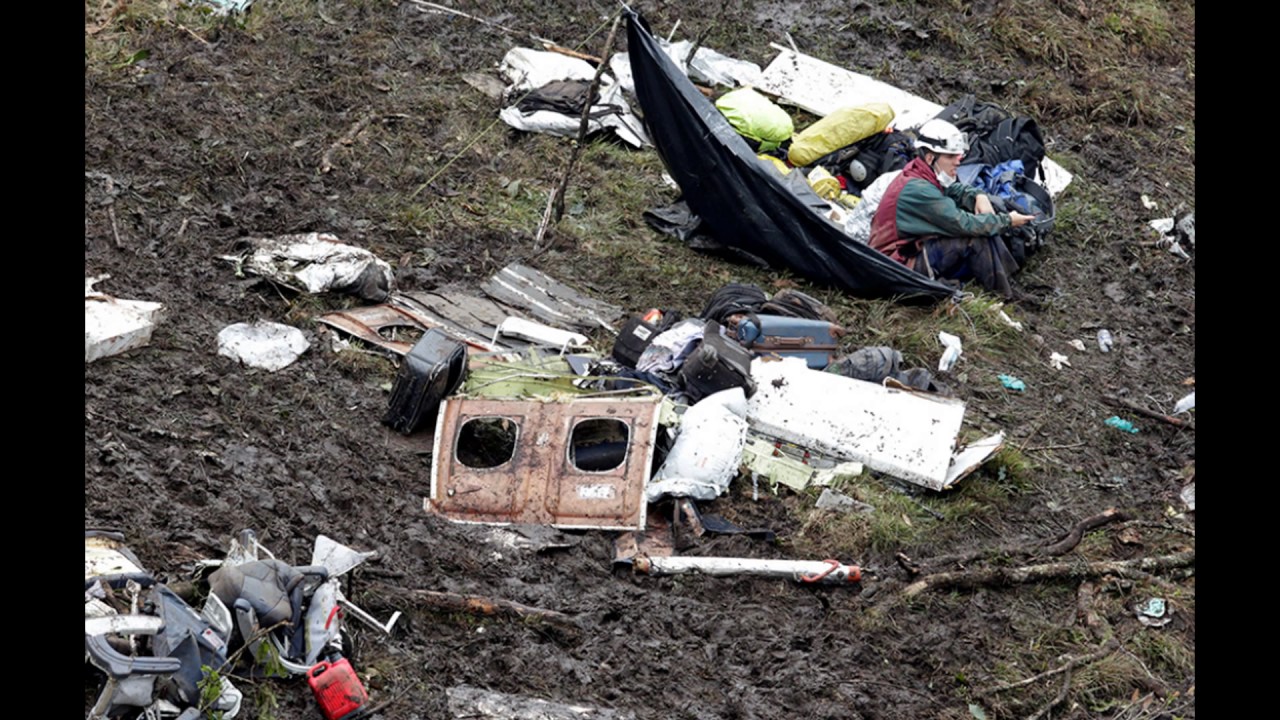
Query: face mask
[945, 180]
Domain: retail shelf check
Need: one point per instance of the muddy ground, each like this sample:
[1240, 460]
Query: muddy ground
[200, 131]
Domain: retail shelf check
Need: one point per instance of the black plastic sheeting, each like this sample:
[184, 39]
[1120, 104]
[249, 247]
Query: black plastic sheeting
[742, 200]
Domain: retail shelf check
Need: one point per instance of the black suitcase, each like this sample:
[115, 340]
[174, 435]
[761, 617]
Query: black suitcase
[718, 363]
[434, 368]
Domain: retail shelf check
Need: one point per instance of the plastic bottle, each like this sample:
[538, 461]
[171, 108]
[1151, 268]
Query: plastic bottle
[1104, 340]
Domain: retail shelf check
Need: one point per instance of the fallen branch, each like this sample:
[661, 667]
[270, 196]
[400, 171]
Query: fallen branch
[475, 604]
[555, 204]
[1130, 405]
[1141, 567]
[326, 162]
[1076, 534]
[552, 47]
[1107, 648]
[1057, 699]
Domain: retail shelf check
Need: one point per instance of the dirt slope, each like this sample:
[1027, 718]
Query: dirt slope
[200, 131]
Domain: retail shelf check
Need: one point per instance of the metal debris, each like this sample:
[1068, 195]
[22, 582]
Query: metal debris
[575, 463]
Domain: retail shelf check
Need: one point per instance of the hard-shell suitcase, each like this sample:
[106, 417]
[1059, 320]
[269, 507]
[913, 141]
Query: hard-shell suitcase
[718, 363]
[817, 341]
[434, 368]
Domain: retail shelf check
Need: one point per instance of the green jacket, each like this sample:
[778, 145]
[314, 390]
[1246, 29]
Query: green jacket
[915, 207]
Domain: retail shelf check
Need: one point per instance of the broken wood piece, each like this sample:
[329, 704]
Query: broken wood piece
[548, 45]
[1128, 404]
[474, 604]
[1141, 567]
[326, 162]
[1076, 534]
[1084, 608]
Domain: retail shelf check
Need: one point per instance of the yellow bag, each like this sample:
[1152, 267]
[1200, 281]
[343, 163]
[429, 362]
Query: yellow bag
[757, 117]
[782, 167]
[841, 128]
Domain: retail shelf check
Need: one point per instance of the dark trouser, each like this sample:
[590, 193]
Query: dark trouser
[985, 259]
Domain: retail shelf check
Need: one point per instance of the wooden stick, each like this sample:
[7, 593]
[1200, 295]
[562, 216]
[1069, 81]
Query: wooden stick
[474, 604]
[1107, 648]
[326, 162]
[1057, 699]
[552, 47]
[555, 204]
[115, 231]
[1076, 534]
[1121, 402]
[1049, 571]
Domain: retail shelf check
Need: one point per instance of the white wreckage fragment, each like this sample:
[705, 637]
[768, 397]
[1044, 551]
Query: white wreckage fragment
[317, 262]
[113, 326]
[262, 344]
[539, 333]
[708, 66]
[708, 450]
[909, 435]
[806, 571]
[527, 70]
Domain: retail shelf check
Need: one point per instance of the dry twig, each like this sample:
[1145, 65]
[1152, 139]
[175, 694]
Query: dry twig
[326, 162]
[1130, 405]
[1107, 648]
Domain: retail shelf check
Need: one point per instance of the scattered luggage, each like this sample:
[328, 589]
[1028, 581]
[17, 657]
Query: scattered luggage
[816, 341]
[433, 369]
[718, 363]
[638, 333]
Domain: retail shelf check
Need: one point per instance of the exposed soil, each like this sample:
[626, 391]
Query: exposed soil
[220, 132]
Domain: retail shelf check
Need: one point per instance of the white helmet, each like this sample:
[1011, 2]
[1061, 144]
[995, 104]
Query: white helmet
[941, 137]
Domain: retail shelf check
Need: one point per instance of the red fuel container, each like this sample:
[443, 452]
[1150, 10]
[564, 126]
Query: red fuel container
[337, 689]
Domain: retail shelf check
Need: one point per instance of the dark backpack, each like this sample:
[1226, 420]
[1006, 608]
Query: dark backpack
[996, 135]
[1031, 198]
[563, 96]
[793, 303]
[733, 299]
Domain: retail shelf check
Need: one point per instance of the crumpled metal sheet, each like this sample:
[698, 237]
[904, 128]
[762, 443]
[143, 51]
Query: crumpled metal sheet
[549, 300]
[317, 262]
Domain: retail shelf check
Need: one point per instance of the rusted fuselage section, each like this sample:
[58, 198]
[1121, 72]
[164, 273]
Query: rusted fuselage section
[573, 463]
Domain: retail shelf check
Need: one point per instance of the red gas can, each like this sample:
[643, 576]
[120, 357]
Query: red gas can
[337, 689]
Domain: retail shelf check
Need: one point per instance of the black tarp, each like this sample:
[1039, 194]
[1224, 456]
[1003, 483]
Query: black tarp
[741, 200]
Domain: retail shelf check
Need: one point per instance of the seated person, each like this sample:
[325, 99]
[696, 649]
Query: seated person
[940, 227]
